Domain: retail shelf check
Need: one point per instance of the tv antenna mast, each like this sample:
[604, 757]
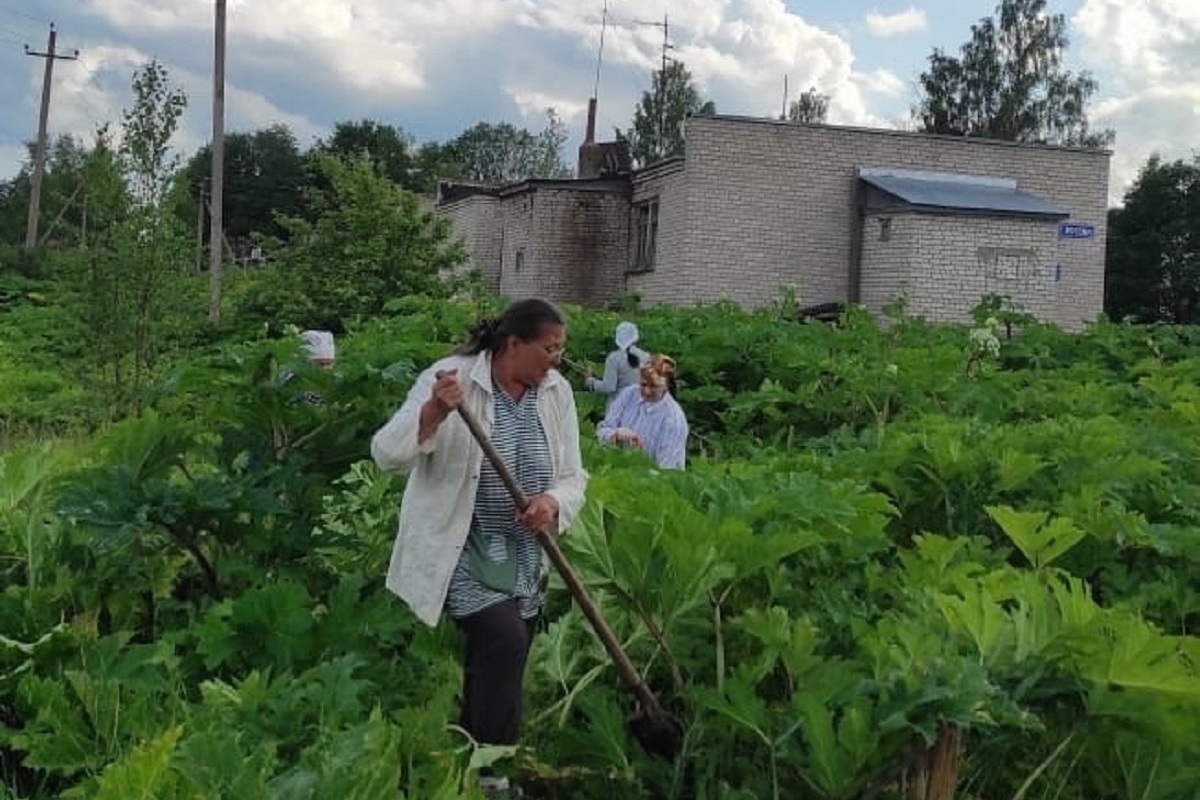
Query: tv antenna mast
[600, 50]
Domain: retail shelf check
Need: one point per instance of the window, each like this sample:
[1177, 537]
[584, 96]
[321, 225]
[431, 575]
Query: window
[520, 259]
[885, 229]
[645, 234]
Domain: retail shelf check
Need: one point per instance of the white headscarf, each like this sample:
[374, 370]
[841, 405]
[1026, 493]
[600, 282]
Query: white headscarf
[318, 345]
[627, 335]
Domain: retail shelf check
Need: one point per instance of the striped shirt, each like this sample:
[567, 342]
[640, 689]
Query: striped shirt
[662, 426]
[495, 535]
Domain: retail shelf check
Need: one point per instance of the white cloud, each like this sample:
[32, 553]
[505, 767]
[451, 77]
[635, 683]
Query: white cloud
[157, 17]
[910, 20]
[368, 45]
[533, 105]
[1146, 54]
[436, 67]
[91, 92]
[377, 54]
[738, 52]
[11, 158]
[882, 82]
[97, 91]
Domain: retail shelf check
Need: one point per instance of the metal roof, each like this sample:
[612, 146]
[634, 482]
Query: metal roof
[939, 190]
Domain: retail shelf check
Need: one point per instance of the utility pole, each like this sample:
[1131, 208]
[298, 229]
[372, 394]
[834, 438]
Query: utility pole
[225, 241]
[662, 101]
[39, 156]
[217, 203]
[201, 202]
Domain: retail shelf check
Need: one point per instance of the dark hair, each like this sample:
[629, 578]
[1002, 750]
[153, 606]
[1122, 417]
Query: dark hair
[632, 357]
[523, 319]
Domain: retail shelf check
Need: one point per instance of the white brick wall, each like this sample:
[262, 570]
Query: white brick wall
[959, 260]
[665, 283]
[887, 264]
[477, 223]
[944, 265]
[573, 242]
[771, 203]
[760, 204]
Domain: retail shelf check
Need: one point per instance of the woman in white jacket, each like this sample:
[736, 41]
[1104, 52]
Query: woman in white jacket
[462, 548]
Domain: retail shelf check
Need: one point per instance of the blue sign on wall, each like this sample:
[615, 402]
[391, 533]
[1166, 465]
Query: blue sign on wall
[1075, 230]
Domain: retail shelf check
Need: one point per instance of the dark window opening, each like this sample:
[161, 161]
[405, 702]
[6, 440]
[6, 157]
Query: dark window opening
[645, 221]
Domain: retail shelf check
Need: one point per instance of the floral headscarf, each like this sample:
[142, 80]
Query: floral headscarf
[658, 371]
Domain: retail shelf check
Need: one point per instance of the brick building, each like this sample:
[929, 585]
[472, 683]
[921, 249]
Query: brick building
[841, 214]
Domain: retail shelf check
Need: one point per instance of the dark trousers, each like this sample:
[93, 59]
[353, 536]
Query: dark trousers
[497, 645]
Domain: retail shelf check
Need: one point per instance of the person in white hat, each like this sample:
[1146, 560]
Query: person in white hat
[621, 367]
[319, 348]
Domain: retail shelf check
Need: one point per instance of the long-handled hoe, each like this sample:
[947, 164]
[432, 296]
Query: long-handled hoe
[659, 732]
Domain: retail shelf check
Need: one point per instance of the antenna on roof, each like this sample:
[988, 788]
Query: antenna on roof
[600, 50]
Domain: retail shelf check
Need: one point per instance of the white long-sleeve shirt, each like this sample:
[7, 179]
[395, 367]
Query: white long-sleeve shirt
[444, 472]
[661, 425]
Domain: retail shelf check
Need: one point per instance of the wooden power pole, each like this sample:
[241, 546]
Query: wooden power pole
[217, 196]
[201, 188]
[39, 153]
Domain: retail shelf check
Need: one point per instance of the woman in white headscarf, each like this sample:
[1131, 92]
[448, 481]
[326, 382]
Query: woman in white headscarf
[319, 348]
[622, 366]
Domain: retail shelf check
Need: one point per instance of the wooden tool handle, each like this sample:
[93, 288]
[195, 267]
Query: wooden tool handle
[549, 543]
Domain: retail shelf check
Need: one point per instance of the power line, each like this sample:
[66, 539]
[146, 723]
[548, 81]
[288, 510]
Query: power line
[38, 20]
[106, 113]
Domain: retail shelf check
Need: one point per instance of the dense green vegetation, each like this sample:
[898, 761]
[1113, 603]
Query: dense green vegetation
[906, 561]
[901, 559]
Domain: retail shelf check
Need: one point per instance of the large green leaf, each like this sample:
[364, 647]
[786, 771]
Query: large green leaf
[1041, 539]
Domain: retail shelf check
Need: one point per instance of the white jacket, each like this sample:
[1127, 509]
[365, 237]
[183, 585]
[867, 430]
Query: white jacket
[439, 500]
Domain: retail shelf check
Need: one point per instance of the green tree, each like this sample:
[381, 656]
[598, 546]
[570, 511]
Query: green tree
[503, 153]
[10, 211]
[1009, 83]
[1152, 270]
[62, 195]
[659, 118]
[369, 242]
[812, 106]
[385, 147]
[434, 161]
[134, 282]
[265, 176]
[106, 197]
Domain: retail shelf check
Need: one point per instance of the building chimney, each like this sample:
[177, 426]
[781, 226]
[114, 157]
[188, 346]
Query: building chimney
[589, 152]
[590, 136]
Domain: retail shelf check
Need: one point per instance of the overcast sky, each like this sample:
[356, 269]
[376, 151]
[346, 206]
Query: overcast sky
[435, 67]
